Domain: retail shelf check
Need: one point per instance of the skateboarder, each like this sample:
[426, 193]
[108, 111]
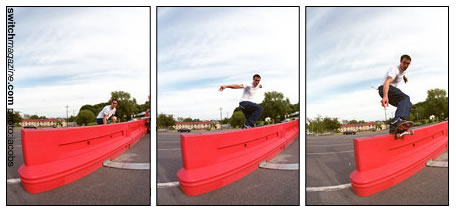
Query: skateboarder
[392, 95]
[106, 112]
[251, 110]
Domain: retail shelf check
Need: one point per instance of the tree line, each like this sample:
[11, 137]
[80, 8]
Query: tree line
[275, 105]
[436, 104]
[125, 109]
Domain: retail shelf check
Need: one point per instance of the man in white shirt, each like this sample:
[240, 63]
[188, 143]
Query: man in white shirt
[107, 112]
[392, 95]
[252, 111]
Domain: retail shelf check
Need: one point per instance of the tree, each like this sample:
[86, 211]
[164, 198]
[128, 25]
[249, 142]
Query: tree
[353, 122]
[237, 119]
[275, 106]
[72, 118]
[15, 117]
[225, 121]
[437, 103]
[165, 121]
[320, 125]
[188, 120]
[34, 117]
[85, 117]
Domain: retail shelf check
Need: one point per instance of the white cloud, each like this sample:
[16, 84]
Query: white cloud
[78, 56]
[226, 47]
[350, 49]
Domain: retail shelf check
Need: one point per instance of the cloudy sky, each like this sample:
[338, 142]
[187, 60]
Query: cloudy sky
[350, 49]
[200, 49]
[78, 56]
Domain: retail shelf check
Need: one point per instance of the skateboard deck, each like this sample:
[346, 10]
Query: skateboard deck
[404, 129]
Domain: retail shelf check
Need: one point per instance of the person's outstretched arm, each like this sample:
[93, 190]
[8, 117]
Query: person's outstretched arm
[232, 86]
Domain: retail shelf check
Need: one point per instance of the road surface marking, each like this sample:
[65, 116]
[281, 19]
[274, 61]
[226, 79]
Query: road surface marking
[176, 149]
[343, 144]
[13, 180]
[439, 164]
[324, 153]
[279, 166]
[328, 188]
[124, 165]
[167, 185]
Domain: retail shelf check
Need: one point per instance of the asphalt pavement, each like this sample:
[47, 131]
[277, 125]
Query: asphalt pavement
[105, 186]
[261, 187]
[330, 161]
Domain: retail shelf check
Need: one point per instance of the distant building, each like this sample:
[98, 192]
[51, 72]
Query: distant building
[50, 122]
[196, 125]
[369, 126]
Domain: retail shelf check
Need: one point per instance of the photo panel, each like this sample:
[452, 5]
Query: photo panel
[377, 105]
[228, 106]
[78, 105]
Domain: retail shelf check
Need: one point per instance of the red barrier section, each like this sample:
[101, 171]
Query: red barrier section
[55, 157]
[213, 160]
[383, 161]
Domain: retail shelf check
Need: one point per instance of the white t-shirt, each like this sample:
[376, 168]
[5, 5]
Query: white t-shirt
[249, 92]
[396, 74]
[106, 111]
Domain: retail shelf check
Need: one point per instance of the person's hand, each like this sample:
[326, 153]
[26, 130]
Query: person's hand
[384, 101]
[261, 86]
[222, 88]
[405, 79]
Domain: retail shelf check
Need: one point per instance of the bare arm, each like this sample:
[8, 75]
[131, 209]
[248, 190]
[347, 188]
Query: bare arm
[385, 100]
[405, 79]
[231, 86]
[105, 119]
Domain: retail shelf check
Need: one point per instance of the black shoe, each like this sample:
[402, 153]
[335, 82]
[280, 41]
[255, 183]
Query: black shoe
[246, 127]
[394, 125]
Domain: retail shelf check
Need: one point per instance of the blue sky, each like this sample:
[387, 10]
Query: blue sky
[200, 49]
[350, 49]
[78, 56]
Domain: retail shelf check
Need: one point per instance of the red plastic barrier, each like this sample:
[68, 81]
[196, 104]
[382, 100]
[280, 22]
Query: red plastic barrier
[213, 160]
[383, 161]
[55, 157]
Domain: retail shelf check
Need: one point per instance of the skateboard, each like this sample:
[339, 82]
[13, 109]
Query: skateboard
[404, 129]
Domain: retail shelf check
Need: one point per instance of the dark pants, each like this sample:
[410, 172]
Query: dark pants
[252, 112]
[99, 120]
[400, 100]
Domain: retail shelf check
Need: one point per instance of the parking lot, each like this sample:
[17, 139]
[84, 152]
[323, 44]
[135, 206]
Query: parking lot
[105, 186]
[330, 161]
[261, 187]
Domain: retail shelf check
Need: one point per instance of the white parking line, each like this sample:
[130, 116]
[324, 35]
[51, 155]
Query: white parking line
[328, 188]
[439, 164]
[279, 166]
[324, 153]
[167, 185]
[13, 180]
[344, 144]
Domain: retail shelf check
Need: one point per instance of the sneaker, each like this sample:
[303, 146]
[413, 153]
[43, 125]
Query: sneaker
[395, 124]
[246, 127]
